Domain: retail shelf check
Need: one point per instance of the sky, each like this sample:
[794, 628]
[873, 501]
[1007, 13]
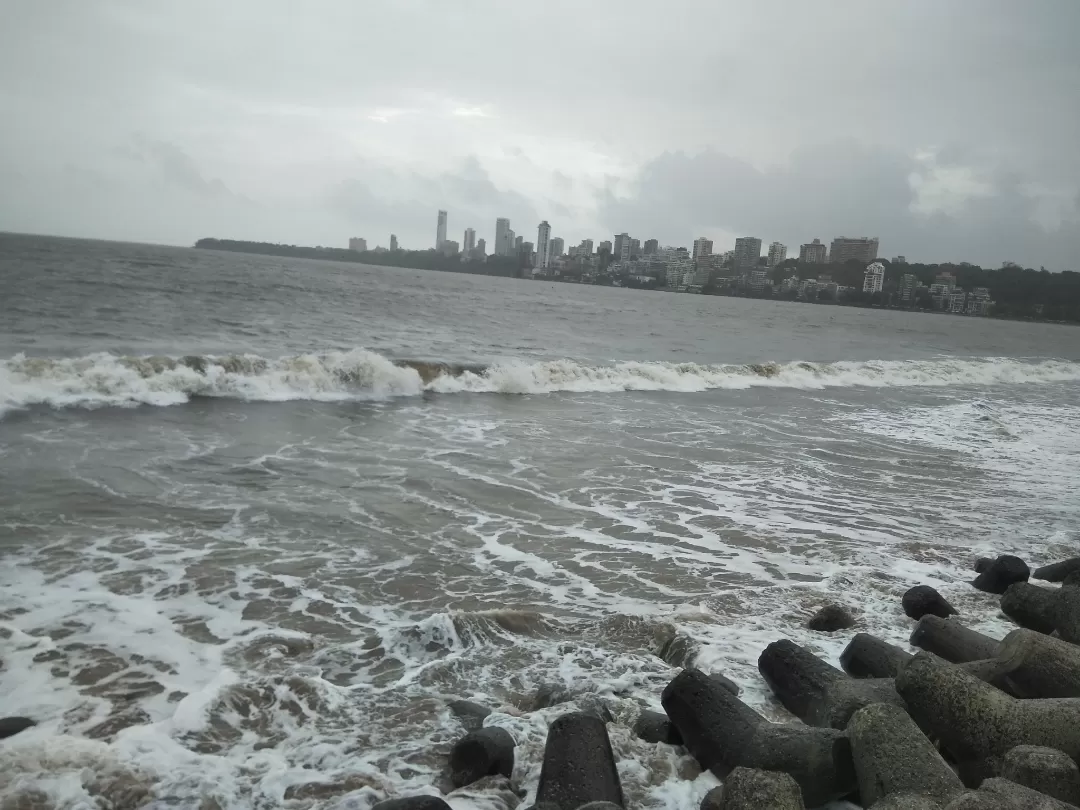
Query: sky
[950, 129]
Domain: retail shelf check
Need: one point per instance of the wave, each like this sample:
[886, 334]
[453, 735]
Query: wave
[97, 380]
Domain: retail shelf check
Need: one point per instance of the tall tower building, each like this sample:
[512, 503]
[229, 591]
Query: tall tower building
[543, 245]
[469, 241]
[519, 244]
[440, 231]
[702, 247]
[621, 250]
[393, 241]
[650, 246]
[502, 227]
[747, 252]
[862, 248]
[586, 247]
[481, 247]
[777, 253]
[558, 246]
[812, 253]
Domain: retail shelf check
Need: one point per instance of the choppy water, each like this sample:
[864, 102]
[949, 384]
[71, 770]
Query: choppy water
[250, 551]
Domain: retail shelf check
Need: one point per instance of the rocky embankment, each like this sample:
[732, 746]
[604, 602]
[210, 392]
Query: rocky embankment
[968, 723]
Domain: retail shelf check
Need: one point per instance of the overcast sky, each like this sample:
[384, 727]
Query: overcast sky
[948, 128]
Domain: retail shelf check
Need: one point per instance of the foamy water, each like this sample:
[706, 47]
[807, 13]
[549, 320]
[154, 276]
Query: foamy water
[247, 576]
[99, 380]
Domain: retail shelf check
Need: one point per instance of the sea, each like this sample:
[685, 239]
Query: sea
[262, 519]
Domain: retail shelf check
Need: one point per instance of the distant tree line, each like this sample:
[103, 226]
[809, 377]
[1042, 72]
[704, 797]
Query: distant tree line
[1017, 292]
[509, 266]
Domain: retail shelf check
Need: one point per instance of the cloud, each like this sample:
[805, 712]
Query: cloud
[915, 207]
[255, 100]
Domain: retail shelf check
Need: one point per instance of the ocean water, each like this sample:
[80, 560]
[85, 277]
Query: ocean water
[261, 519]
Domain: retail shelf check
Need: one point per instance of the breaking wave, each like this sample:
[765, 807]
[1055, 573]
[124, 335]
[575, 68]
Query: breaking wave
[97, 380]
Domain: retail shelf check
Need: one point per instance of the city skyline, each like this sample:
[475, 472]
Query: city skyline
[117, 133]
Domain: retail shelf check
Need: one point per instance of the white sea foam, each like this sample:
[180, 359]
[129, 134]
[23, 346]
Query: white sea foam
[101, 379]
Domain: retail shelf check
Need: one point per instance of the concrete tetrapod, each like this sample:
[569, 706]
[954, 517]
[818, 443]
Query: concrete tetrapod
[978, 723]
[1056, 572]
[893, 757]
[1030, 606]
[579, 766]
[1067, 609]
[1039, 666]
[753, 789]
[1045, 770]
[723, 733]
[952, 641]
[816, 692]
[867, 656]
[1019, 797]
[481, 753]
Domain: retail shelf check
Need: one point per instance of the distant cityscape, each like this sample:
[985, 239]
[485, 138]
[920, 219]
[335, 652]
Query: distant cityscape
[742, 270]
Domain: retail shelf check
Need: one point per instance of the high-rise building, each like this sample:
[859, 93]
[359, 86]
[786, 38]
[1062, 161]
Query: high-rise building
[874, 278]
[586, 247]
[358, 244]
[519, 241]
[650, 246]
[481, 247]
[635, 247]
[393, 241]
[621, 249]
[440, 231]
[450, 247]
[469, 242]
[604, 246]
[777, 253]
[747, 252]
[502, 245]
[861, 249]
[557, 247]
[511, 243]
[899, 260]
[908, 284]
[812, 253]
[702, 247]
[543, 245]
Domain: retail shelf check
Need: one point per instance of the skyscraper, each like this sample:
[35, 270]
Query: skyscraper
[518, 243]
[650, 246]
[604, 246]
[621, 248]
[861, 248]
[481, 247]
[543, 245]
[777, 253]
[469, 242]
[586, 247]
[502, 227]
[635, 247]
[511, 248]
[557, 246]
[393, 241]
[440, 231]
[812, 253]
[702, 247]
[747, 252]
